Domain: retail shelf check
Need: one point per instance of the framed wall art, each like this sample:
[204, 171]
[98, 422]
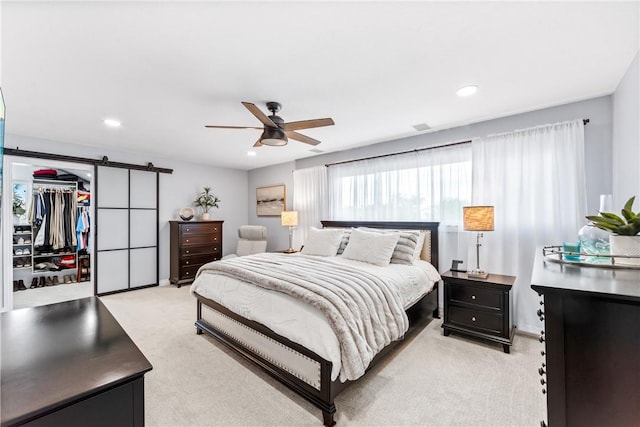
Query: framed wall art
[271, 200]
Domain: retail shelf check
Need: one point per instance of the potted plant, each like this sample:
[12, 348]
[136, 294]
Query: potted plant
[206, 200]
[625, 239]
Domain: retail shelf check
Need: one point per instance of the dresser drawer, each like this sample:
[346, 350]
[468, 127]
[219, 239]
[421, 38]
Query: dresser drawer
[490, 323]
[198, 239]
[189, 272]
[200, 250]
[197, 260]
[200, 229]
[475, 296]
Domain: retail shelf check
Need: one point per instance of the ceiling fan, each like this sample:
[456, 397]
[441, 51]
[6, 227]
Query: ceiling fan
[276, 131]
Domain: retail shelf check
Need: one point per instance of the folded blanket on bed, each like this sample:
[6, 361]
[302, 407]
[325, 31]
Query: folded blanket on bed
[365, 313]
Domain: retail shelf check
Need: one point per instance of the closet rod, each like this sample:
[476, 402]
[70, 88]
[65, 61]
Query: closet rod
[584, 121]
[102, 162]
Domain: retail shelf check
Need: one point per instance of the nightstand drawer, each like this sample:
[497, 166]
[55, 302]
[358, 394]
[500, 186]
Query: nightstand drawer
[476, 296]
[486, 322]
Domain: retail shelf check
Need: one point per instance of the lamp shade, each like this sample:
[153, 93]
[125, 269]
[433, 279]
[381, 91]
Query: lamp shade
[478, 218]
[273, 136]
[289, 218]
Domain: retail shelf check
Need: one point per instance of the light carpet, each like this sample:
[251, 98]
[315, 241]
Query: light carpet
[433, 381]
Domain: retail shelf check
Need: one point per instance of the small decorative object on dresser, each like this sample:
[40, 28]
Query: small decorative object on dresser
[206, 200]
[479, 307]
[625, 240]
[186, 214]
[193, 244]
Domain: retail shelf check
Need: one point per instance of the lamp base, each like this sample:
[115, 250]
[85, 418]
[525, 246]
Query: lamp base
[289, 251]
[478, 274]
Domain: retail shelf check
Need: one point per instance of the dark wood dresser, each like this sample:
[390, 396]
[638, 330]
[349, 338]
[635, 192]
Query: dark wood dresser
[479, 307]
[70, 364]
[590, 365]
[193, 244]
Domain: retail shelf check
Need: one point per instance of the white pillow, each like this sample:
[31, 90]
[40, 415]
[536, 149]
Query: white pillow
[420, 245]
[374, 248]
[322, 242]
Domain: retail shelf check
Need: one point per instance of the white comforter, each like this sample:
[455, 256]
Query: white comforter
[300, 322]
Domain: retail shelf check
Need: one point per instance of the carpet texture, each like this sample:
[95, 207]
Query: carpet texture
[433, 381]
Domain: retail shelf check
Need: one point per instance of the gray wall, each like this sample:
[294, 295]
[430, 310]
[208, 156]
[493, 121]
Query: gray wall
[277, 235]
[626, 138]
[597, 140]
[177, 190]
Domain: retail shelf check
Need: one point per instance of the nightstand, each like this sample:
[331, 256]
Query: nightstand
[479, 307]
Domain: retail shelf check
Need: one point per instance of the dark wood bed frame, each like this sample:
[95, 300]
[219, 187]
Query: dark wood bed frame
[324, 397]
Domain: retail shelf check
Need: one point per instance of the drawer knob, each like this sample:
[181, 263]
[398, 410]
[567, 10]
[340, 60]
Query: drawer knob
[541, 371]
[215, 228]
[187, 273]
[187, 240]
[473, 297]
[473, 319]
[187, 262]
[542, 381]
[186, 252]
[188, 229]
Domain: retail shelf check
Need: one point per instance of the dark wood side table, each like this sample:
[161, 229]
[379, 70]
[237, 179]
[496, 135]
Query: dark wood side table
[479, 307]
[70, 364]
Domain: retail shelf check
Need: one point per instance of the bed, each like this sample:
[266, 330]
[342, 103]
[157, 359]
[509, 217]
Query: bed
[295, 343]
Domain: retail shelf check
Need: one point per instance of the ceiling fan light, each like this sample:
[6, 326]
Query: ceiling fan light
[274, 137]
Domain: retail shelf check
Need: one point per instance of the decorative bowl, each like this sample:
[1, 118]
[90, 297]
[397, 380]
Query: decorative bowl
[186, 214]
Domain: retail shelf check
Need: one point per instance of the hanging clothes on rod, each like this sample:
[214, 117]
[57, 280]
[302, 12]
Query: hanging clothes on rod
[54, 213]
[82, 228]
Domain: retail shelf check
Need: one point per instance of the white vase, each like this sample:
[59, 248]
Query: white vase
[205, 216]
[625, 245]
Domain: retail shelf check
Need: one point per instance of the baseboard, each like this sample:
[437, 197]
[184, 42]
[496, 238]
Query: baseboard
[164, 282]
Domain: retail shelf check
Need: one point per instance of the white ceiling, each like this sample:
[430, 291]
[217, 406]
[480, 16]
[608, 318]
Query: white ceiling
[165, 69]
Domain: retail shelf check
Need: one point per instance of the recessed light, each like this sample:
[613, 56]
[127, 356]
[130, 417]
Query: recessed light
[251, 153]
[467, 90]
[112, 123]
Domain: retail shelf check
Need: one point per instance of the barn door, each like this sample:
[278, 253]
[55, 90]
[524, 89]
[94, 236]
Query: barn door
[126, 229]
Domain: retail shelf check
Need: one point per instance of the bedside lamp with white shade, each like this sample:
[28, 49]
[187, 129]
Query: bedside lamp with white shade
[289, 219]
[478, 218]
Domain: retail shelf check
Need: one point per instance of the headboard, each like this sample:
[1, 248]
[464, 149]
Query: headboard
[430, 249]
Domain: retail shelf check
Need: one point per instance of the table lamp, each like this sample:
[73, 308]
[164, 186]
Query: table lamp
[478, 218]
[289, 219]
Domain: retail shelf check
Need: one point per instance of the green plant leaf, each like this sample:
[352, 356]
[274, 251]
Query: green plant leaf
[629, 203]
[613, 217]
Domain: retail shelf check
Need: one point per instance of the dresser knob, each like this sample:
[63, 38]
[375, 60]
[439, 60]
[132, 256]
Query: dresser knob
[215, 229]
[187, 273]
[187, 240]
[473, 297]
[473, 319]
[541, 371]
[187, 229]
[186, 252]
[187, 262]
[542, 381]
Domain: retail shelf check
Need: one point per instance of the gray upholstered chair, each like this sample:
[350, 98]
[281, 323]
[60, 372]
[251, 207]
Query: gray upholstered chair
[252, 240]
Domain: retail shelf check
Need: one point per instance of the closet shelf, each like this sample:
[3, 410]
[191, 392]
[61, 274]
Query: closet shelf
[49, 255]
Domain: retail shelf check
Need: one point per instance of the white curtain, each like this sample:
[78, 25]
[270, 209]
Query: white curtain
[535, 179]
[426, 185]
[310, 200]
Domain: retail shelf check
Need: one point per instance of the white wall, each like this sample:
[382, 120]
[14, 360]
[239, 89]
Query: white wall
[277, 235]
[626, 138]
[177, 190]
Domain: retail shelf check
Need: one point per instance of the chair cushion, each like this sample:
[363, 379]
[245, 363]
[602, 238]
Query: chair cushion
[252, 232]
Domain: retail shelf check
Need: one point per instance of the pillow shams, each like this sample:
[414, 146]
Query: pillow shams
[374, 248]
[405, 250]
[322, 242]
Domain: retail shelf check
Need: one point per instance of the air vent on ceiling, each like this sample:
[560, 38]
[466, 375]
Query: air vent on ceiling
[421, 126]
[316, 150]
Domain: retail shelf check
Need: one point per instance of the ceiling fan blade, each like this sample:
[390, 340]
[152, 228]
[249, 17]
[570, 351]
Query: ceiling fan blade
[231, 127]
[259, 114]
[302, 138]
[307, 124]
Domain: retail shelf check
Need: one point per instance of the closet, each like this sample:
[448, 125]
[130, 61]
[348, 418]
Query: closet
[51, 224]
